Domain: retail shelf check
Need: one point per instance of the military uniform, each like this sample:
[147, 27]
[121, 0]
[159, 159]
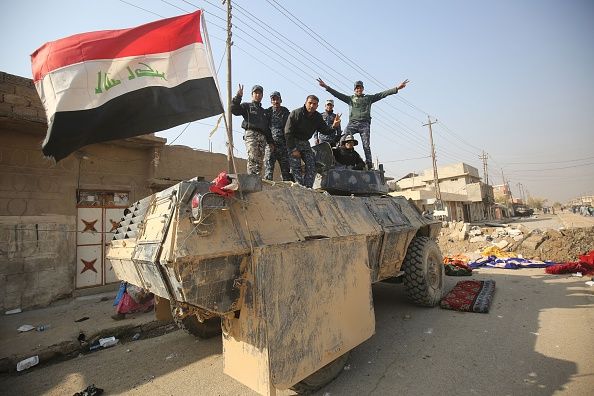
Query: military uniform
[333, 139]
[300, 127]
[360, 115]
[278, 119]
[257, 131]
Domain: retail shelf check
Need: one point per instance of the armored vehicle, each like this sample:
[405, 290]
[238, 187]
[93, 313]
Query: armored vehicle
[283, 271]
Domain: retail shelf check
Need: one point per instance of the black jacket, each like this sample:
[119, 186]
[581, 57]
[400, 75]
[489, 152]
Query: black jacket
[347, 157]
[301, 126]
[255, 117]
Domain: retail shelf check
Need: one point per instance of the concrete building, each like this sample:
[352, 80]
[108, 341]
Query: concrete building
[56, 219]
[464, 196]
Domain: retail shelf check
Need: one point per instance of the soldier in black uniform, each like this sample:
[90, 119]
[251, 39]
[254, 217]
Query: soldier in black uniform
[257, 130]
[346, 156]
[278, 116]
[301, 125]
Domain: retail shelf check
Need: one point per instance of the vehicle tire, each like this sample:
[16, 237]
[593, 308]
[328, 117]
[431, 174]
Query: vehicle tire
[423, 272]
[322, 377]
[207, 329]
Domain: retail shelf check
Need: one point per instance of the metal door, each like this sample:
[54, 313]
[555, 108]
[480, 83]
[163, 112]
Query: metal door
[99, 213]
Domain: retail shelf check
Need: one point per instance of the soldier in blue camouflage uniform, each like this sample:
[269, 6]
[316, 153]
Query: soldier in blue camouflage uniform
[256, 125]
[301, 125]
[278, 116]
[328, 115]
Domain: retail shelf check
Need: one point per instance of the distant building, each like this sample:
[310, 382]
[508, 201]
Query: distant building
[464, 196]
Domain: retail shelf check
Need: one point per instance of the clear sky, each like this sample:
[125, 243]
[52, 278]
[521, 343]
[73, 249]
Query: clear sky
[512, 78]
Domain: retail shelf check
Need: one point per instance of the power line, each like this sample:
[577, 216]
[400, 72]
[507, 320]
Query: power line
[549, 162]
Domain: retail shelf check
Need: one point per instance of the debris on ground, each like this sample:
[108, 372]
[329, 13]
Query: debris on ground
[25, 328]
[90, 390]
[561, 245]
[82, 319]
[27, 363]
[13, 311]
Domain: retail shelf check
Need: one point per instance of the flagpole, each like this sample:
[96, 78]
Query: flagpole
[230, 162]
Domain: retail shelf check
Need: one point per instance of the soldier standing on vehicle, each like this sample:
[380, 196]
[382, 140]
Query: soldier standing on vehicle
[328, 115]
[301, 125]
[257, 130]
[278, 116]
[360, 112]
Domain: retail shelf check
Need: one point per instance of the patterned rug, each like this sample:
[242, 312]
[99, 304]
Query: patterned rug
[470, 296]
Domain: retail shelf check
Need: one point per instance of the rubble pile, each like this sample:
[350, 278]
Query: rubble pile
[460, 237]
[561, 245]
[555, 245]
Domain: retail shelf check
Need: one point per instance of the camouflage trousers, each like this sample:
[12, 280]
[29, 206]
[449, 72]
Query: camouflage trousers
[278, 154]
[255, 143]
[363, 128]
[307, 156]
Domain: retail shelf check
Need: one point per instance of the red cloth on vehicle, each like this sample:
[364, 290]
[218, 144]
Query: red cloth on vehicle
[219, 182]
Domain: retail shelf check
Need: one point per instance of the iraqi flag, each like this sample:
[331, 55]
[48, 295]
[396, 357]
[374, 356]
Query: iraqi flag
[116, 84]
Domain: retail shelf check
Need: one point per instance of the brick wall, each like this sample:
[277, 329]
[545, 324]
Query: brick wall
[19, 99]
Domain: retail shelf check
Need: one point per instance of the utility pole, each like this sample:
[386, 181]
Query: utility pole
[485, 173]
[230, 166]
[435, 176]
[521, 191]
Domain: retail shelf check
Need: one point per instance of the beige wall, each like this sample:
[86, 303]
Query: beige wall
[182, 163]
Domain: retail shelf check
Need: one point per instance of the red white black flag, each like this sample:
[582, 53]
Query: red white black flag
[115, 84]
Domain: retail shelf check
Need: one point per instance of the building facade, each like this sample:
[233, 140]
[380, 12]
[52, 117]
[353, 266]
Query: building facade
[464, 196]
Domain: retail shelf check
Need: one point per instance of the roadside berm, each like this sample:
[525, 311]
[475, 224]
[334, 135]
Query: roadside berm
[558, 245]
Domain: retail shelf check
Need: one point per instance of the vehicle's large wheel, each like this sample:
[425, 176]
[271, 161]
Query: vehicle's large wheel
[423, 271]
[322, 377]
[207, 329]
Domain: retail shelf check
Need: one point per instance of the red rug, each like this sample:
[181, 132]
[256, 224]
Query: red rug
[470, 296]
[585, 265]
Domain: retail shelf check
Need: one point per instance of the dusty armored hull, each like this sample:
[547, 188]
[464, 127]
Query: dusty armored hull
[288, 269]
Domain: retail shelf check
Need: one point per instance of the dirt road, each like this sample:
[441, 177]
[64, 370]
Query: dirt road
[536, 340]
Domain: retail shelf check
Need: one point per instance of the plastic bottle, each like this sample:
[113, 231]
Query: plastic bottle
[43, 327]
[107, 342]
[27, 363]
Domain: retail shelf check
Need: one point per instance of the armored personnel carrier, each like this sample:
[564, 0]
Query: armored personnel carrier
[283, 271]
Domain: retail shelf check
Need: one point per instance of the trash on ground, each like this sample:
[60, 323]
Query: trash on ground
[108, 342]
[24, 328]
[82, 319]
[135, 336]
[90, 390]
[27, 363]
[171, 356]
[13, 311]
[43, 327]
[577, 274]
[81, 337]
[590, 283]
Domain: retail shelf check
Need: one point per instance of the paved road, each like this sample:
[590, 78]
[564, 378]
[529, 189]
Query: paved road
[571, 220]
[535, 341]
[541, 222]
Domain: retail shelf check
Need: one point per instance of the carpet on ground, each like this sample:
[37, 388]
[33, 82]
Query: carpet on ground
[470, 296]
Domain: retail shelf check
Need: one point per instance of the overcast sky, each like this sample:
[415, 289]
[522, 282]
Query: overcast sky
[512, 78]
